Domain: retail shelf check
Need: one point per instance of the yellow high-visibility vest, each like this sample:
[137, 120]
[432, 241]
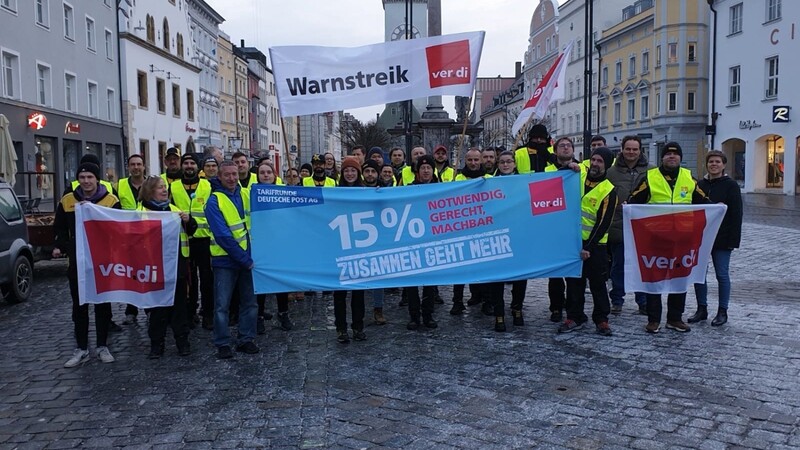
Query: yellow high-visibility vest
[660, 191]
[194, 204]
[234, 222]
[184, 237]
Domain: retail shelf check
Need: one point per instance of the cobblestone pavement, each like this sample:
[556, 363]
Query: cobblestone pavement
[459, 386]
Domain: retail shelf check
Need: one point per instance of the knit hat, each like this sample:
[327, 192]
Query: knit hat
[94, 169]
[373, 164]
[374, 150]
[606, 154]
[191, 156]
[538, 131]
[90, 158]
[351, 161]
[673, 147]
[308, 167]
[425, 159]
[210, 159]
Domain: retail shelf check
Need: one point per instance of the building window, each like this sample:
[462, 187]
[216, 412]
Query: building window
[179, 45]
[190, 104]
[166, 34]
[632, 67]
[92, 96]
[69, 22]
[176, 100]
[141, 84]
[672, 53]
[10, 75]
[618, 70]
[773, 10]
[91, 40]
[617, 112]
[578, 91]
[658, 103]
[110, 103]
[10, 5]
[70, 92]
[151, 29]
[571, 86]
[772, 77]
[734, 84]
[161, 96]
[645, 107]
[645, 62]
[603, 116]
[672, 101]
[735, 25]
[109, 45]
[42, 11]
[605, 76]
[43, 84]
[690, 101]
[631, 109]
[658, 55]
[692, 55]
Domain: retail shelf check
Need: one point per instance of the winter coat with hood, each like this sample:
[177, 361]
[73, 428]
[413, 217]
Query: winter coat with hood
[725, 190]
[625, 180]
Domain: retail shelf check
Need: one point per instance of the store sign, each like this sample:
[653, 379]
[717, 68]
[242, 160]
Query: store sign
[190, 129]
[780, 114]
[37, 121]
[72, 128]
[748, 124]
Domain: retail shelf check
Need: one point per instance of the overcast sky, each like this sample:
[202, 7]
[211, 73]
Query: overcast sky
[352, 23]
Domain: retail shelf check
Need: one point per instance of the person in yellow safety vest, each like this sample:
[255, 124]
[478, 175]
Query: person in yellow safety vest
[210, 167]
[318, 177]
[472, 169]
[172, 161]
[489, 160]
[668, 183]
[387, 178]
[598, 203]
[596, 142]
[154, 196]
[243, 167]
[564, 159]
[191, 193]
[397, 158]
[536, 154]
[128, 193]
[305, 172]
[407, 174]
[231, 262]
[443, 171]
[93, 159]
[254, 171]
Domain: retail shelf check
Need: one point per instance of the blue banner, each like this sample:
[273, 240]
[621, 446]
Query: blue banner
[476, 231]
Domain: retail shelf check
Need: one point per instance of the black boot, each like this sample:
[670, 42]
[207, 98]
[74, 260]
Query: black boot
[458, 308]
[156, 350]
[413, 324]
[500, 324]
[184, 349]
[722, 317]
[429, 322]
[701, 314]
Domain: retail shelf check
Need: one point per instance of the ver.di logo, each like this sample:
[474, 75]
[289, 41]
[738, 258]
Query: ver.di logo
[667, 246]
[449, 64]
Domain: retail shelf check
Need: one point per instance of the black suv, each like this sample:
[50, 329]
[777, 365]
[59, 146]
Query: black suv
[16, 254]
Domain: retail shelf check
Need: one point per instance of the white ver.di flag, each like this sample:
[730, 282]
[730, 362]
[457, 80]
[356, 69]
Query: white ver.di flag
[314, 79]
[551, 88]
[668, 247]
[126, 256]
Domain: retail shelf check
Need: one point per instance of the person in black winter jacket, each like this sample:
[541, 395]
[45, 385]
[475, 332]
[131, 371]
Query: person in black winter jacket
[720, 188]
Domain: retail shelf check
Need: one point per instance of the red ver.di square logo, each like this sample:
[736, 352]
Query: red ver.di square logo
[448, 64]
[547, 196]
[127, 256]
[667, 245]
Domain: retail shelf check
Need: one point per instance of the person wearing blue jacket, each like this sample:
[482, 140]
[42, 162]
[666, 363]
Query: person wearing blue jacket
[231, 262]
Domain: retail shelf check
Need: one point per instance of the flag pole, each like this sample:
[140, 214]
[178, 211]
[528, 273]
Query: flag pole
[285, 145]
[464, 128]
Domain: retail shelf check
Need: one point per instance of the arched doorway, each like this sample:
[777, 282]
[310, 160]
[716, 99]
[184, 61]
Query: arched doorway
[734, 149]
[775, 146]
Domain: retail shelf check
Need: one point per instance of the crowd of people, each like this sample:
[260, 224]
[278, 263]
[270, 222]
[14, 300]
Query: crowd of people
[215, 287]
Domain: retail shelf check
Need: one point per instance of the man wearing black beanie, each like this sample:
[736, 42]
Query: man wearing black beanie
[537, 153]
[668, 183]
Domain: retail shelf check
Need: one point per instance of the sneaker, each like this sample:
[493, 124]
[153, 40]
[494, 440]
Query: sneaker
[500, 324]
[105, 355]
[248, 347]
[284, 322]
[603, 329]
[569, 326]
[184, 349]
[616, 309]
[224, 352]
[114, 327]
[556, 316]
[359, 335]
[517, 315]
[130, 319]
[678, 326]
[458, 308]
[652, 327]
[78, 357]
[342, 337]
[261, 326]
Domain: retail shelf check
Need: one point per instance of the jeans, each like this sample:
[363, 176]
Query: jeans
[617, 292]
[722, 261]
[224, 282]
[377, 298]
[595, 269]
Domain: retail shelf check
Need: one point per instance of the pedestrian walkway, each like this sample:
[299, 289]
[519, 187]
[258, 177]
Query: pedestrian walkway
[461, 385]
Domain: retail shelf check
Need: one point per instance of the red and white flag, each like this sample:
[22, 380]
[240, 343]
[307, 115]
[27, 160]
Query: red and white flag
[668, 247]
[550, 88]
[126, 256]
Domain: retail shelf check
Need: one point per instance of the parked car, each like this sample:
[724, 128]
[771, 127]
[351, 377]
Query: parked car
[16, 253]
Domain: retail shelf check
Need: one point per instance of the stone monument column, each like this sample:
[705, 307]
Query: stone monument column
[435, 121]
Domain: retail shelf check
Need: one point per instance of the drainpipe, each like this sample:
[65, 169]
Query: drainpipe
[714, 113]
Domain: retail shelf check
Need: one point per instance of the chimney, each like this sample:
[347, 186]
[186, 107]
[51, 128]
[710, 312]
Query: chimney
[517, 69]
[242, 41]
